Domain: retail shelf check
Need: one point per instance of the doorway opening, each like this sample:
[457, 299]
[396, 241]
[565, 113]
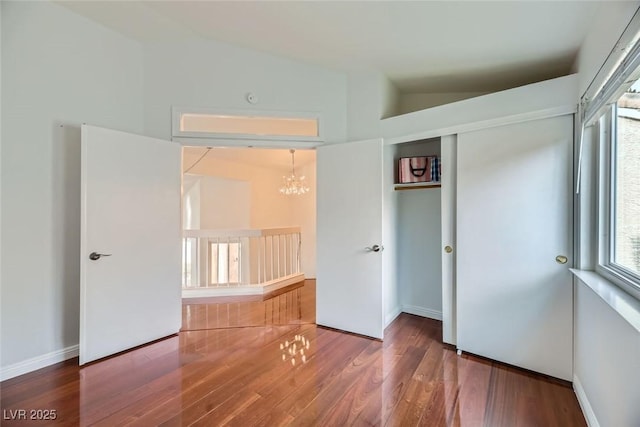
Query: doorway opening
[241, 234]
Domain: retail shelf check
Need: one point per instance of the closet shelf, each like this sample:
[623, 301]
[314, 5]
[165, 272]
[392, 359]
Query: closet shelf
[417, 186]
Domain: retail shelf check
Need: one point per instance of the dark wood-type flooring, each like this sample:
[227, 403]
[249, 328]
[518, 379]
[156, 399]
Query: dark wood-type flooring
[232, 365]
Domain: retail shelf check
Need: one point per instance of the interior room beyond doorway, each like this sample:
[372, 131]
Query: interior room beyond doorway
[241, 234]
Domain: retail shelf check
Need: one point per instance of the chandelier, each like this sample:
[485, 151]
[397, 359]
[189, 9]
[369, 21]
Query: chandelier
[292, 184]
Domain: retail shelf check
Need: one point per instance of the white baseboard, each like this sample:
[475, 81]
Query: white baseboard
[587, 410]
[421, 311]
[38, 362]
[390, 317]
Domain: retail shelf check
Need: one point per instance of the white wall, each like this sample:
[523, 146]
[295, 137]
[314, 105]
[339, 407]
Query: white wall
[606, 361]
[303, 213]
[612, 19]
[57, 69]
[390, 98]
[217, 75]
[191, 202]
[224, 203]
[269, 208]
[410, 102]
[419, 252]
[371, 97]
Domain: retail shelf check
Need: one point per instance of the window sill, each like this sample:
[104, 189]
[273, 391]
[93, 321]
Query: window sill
[621, 302]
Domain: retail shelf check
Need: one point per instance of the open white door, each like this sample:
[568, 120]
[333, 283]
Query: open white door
[514, 203]
[349, 242]
[130, 211]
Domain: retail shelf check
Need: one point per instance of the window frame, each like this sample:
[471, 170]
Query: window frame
[221, 261]
[623, 277]
[239, 139]
[194, 272]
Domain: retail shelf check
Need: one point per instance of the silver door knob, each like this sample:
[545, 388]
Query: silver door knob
[94, 256]
[374, 248]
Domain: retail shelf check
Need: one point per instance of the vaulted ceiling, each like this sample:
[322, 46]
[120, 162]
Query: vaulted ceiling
[277, 159]
[421, 46]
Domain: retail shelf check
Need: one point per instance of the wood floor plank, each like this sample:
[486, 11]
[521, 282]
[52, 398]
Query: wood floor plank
[402, 355]
[201, 394]
[125, 397]
[244, 372]
[226, 368]
[292, 396]
[474, 380]
[280, 372]
[410, 406]
[388, 392]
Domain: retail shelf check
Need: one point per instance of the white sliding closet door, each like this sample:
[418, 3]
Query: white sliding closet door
[514, 209]
[448, 150]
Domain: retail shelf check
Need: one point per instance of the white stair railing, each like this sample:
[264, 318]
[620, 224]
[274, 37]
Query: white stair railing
[226, 258]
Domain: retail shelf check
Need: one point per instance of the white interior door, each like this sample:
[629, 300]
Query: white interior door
[130, 211]
[349, 220]
[514, 205]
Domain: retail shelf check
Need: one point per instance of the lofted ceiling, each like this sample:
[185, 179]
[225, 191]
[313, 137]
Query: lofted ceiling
[421, 46]
[276, 159]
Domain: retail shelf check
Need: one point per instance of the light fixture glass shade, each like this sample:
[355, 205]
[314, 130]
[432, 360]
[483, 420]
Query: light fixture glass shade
[293, 184]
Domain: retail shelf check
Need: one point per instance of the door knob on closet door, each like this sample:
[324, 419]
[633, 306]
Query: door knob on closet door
[561, 259]
[374, 248]
[448, 249]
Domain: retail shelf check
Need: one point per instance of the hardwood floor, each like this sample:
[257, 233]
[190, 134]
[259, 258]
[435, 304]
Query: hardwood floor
[294, 304]
[235, 368]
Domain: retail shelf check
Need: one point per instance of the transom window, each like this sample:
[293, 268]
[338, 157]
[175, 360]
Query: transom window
[203, 124]
[248, 125]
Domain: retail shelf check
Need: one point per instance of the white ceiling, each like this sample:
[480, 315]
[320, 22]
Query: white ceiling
[422, 46]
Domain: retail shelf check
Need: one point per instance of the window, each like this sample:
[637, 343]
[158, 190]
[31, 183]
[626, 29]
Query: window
[224, 263]
[625, 183]
[248, 125]
[222, 268]
[205, 126]
[609, 241]
[620, 191]
[189, 262]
